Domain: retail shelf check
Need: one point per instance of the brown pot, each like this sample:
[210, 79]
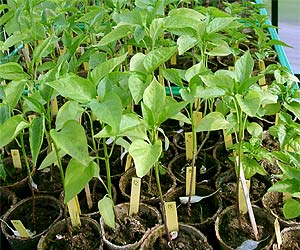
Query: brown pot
[168, 183]
[135, 228]
[187, 236]
[60, 228]
[290, 237]
[230, 235]
[273, 202]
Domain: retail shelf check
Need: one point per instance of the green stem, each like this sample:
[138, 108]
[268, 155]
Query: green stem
[107, 167]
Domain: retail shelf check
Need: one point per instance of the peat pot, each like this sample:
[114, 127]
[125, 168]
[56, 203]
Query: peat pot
[47, 210]
[88, 236]
[290, 237]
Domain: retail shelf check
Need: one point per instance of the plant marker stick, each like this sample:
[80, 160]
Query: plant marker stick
[135, 195]
[276, 119]
[197, 117]
[74, 211]
[171, 216]
[128, 162]
[277, 233]
[227, 139]
[130, 49]
[189, 145]
[173, 60]
[16, 158]
[54, 107]
[190, 188]
[250, 210]
[88, 196]
[20, 228]
[242, 201]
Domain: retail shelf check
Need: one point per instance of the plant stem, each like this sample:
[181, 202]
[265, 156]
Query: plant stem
[107, 166]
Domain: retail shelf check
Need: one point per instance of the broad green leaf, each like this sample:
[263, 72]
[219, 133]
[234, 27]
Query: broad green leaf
[222, 49]
[170, 109]
[291, 209]
[148, 115]
[181, 117]
[288, 185]
[291, 172]
[154, 97]
[137, 85]
[51, 158]
[156, 28]
[13, 92]
[187, 13]
[4, 113]
[294, 107]
[32, 104]
[36, 137]
[106, 67]
[255, 129]
[12, 71]
[72, 140]
[43, 49]
[252, 167]
[244, 67]
[211, 122]
[76, 178]
[106, 209]
[185, 42]
[144, 155]
[209, 92]
[71, 110]
[2, 169]
[117, 33]
[12, 40]
[250, 103]
[195, 70]
[129, 122]
[136, 63]
[157, 57]
[173, 76]
[11, 128]
[218, 24]
[74, 87]
[220, 80]
[109, 110]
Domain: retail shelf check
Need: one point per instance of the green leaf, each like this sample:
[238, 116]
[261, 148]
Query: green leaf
[288, 185]
[13, 92]
[173, 76]
[244, 67]
[106, 67]
[4, 113]
[109, 110]
[51, 158]
[294, 107]
[72, 140]
[291, 172]
[220, 80]
[106, 209]
[154, 97]
[170, 109]
[195, 70]
[32, 104]
[156, 28]
[136, 63]
[12, 71]
[291, 209]
[212, 121]
[252, 167]
[250, 103]
[255, 129]
[222, 49]
[144, 155]
[77, 176]
[71, 110]
[157, 57]
[137, 85]
[2, 169]
[74, 87]
[209, 92]
[119, 32]
[11, 128]
[219, 23]
[36, 137]
[185, 42]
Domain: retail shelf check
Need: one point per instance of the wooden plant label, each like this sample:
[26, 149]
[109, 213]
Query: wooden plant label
[54, 107]
[277, 233]
[227, 139]
[15, 154]
[135, 195]
[62, 51]
[173, 60]
[86, 66]
[171, 216]
[20, 228]
[242, 201]
[189, 145]
[190, 179]
[74, 211]
[130, 50]
[128, 162]
[230, 68]
[88, 196]
[197, 117]
[276, 119]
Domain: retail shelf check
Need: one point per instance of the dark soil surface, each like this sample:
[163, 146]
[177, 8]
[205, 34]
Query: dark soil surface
[235, 232]
[13, 175]
[84, 238]
[291, 240]
[130, 229]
